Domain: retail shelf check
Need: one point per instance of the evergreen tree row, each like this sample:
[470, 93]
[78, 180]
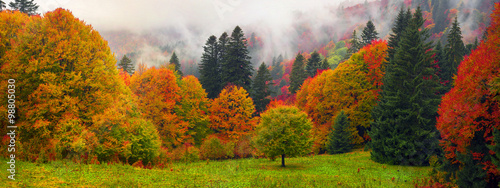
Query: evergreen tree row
[225, 61]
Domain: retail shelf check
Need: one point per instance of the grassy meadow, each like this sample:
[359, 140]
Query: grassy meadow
[312, 171]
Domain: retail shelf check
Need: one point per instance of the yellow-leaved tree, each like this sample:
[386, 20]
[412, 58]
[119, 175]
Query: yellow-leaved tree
[353, 87]
[231, 114]
[70, 101]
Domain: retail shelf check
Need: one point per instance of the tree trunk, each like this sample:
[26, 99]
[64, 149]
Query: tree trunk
[283, 160]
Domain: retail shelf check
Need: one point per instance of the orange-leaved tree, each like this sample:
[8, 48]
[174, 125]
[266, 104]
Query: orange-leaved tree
[353, 87]
[158, 93]
[231, 114]
[469, 114]
[70, 101]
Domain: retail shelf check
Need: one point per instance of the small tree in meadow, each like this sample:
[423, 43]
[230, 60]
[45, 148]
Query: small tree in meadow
[338, 139]
[285, 131]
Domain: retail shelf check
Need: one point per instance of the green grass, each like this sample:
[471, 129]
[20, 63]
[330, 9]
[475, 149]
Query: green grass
[313, 171]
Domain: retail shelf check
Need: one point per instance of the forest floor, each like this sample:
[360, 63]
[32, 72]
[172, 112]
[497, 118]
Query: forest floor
[354, 169]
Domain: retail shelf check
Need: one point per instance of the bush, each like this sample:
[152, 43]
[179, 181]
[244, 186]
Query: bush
[185, 153]
[214, 149]
[244, 148]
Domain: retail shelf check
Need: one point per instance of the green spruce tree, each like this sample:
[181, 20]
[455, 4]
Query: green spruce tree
[338, 139]
[298, 74]
[399, 27]
[454, 52]
[174, 60]
[277, 72]
[313, 64]
[260, 88]
[210, 68]
[236, 67]
[126, 65]
[403, 131]
[355, 45]
[369, 33]
[25, 6]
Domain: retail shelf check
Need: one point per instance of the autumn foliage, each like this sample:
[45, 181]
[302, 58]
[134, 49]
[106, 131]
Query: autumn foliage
[469, 112]
[231, 114]
[70, 100]
[353, 86]
[158, 93]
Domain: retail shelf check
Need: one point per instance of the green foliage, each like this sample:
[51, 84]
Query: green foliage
[174, 60]
[126, 65]
[339, 138]
[369, 33]
[210, 67]
[236, 67]
[355, 45]
[277, 71]
[141, 142]
[260, 88]
[192, 109]
[214, 149]
[285, 131]
[403, 131]
[454, 52]
[324, 64]
[313, 64]
[400, 24]
[298, 74]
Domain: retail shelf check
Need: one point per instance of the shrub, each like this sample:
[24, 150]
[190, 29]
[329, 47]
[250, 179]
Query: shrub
[244, 148]
[185, 153]
[214, 149]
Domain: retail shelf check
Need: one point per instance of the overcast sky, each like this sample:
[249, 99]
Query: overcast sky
[139, 15]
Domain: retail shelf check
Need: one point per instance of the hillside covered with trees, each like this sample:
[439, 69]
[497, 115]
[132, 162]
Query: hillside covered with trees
[420, 88]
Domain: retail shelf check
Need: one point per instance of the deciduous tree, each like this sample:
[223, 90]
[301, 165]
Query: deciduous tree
[231, 114]
[158, 93]
[469, 113]
[285, 131]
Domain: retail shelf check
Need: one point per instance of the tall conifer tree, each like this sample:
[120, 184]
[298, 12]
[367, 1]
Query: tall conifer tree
[313, 64]
[369, 33]
[355, 45]
[25, 6]
[399, 27]
[403, 131]
[126, 65]
[298, 74]
[175, 61]
[261, 88]
[454, 52]
[209, 68]
[236, 67]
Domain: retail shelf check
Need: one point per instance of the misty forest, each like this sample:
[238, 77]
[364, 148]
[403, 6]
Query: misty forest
[351, 93]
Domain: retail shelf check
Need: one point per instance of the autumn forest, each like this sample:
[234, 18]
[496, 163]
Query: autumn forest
[416, 87]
